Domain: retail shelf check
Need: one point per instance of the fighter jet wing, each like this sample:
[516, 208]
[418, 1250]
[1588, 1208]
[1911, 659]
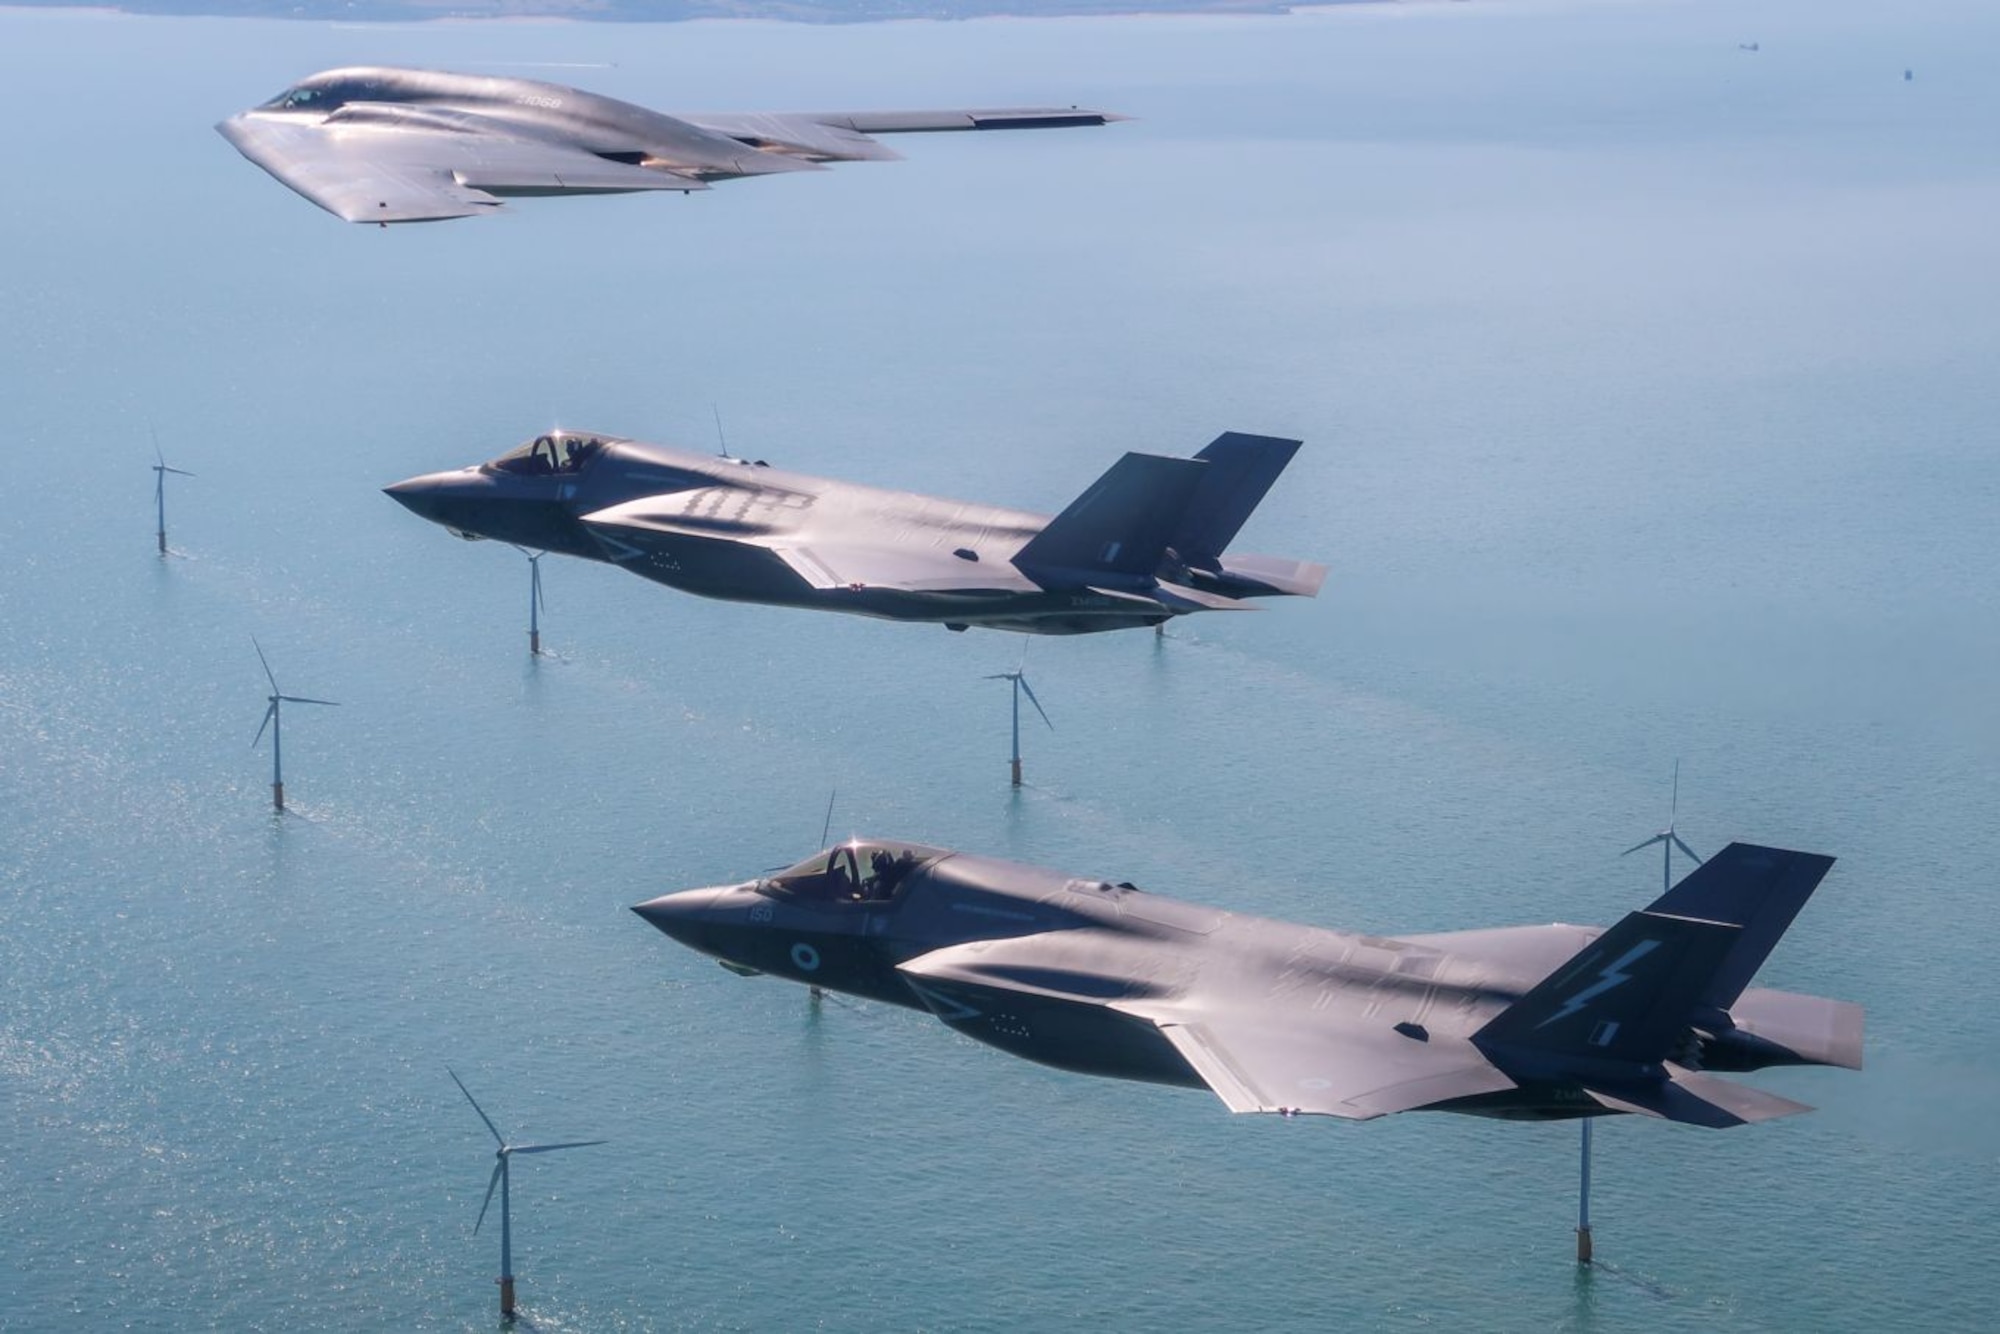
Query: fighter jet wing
[825, 565]
[844, 136]
[1254, 1059]
[1277, 1063]
[389, 164]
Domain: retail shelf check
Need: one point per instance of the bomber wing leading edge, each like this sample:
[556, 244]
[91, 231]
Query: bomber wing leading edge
[1525, 1023]
[381, 144]
[1146, 542]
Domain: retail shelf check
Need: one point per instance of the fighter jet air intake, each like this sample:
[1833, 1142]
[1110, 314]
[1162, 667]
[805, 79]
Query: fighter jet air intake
[378, 144]
[1143, 544]
[1521, 1023]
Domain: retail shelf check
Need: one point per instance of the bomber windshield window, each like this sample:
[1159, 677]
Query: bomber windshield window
[548, 455]
[326, 96]
[854, 872]
[297, 97]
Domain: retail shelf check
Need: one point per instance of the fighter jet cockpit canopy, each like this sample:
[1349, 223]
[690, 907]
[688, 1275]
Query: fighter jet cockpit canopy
[857, 871]
[554, 454]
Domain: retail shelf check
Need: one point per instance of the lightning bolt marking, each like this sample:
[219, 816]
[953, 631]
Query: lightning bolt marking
[1611, 975]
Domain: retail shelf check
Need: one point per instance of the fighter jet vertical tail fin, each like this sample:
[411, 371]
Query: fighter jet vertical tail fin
[1758, 889]
[1625, 1000]
[1241, 469]
[1119, 527]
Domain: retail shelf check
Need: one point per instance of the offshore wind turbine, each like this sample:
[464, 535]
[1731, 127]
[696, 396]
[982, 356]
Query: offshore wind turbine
[160, 471]
[1020, 680]
[1668, 839]
[275, 720]
[535, 603]
[500, 1178]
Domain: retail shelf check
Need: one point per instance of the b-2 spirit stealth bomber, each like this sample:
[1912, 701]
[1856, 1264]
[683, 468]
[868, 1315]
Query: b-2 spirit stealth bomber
[1523, 1023]
[1145, 543]
[379, 144]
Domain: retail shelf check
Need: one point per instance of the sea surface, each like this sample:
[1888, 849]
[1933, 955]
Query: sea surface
[1649, 396]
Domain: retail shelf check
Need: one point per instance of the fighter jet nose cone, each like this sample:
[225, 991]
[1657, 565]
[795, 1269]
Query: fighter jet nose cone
[685, 916]
[417, 495]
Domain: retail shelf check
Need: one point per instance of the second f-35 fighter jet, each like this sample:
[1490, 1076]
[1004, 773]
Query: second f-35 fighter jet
[1522, 1023]
[1145, 543]
[378, 144]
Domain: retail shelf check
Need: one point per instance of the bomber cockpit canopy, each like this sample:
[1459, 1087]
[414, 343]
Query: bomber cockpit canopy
[552, 454]
[327, 94]
[857, 871]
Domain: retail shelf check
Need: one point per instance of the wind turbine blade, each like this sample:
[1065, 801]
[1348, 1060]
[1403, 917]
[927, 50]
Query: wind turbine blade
[498, 1138]
[826, 826]
[267, 664]
[1688, 850]
[535, 578]
[1647, 844]
[301, 699]
[491, 1182]
[551, 1148]
[178, 472]
[998, 676]
[1673, 811]
[1029, 691]
[270, 712]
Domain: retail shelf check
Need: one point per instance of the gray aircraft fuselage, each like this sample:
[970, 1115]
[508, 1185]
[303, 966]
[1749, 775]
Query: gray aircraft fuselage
[1105, 979]
[731, 529]
[529, 108]
[384, 144]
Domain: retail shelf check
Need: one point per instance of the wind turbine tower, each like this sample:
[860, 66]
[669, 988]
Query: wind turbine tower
[160, 471]
[275, 720]
[500, 1178]
[1021, 687]
[535, 603]
[1668, 840]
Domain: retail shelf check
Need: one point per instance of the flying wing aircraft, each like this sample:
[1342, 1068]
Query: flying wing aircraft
[1522, 1023]
[1143, 544]
[379, 144]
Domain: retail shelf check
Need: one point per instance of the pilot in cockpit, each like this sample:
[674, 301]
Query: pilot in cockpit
[838, 875]
[549, 455]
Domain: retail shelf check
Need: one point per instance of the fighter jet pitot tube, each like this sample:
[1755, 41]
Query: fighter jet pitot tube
[1145, 543]
[1522, 1023]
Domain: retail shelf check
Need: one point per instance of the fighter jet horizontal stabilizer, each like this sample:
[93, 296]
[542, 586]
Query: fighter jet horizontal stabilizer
[1698, 1100]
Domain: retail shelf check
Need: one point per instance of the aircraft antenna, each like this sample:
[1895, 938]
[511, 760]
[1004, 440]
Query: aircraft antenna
[1019, 678]
[500, 1178]
[274, 719]
[160, 471]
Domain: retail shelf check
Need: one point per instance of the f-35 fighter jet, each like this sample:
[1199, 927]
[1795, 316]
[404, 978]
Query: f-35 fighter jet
[377, 144]
[1523, 1023]
[1145, 543]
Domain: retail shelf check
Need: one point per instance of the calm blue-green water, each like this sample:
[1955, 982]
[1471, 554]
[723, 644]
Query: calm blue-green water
[1651, 411]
